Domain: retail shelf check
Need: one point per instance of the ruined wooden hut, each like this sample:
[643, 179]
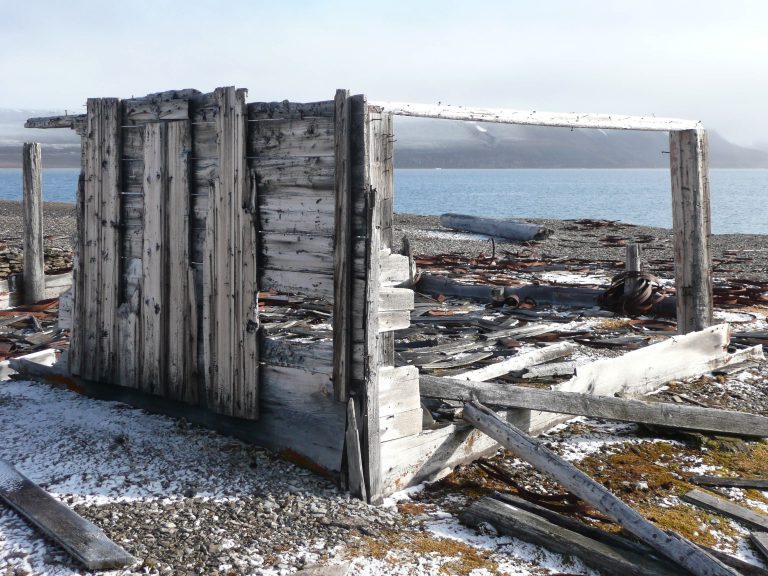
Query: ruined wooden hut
[191, 205]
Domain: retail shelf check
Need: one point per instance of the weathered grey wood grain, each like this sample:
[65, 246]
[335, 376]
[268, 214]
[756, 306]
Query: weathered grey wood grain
[760, 540]
[96, 299]
[181, 328]
[519, 523]
[342, 251]
[509, 229]
[758, 483]
[691, 221]
[85, 541]
[72, 121]
[518, 362]
[154, 304]
[230, 290]
[608, 407]
[674, 547]
[749, 518]
[32, 192]
[290, 110]
[292, 137]
[355, 475]
[141, 110]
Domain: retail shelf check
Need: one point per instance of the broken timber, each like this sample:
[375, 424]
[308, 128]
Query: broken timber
[674, 547]
[608, 407]
[82, 539]
[513, 521]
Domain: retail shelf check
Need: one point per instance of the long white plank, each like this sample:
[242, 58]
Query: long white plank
[535, 118]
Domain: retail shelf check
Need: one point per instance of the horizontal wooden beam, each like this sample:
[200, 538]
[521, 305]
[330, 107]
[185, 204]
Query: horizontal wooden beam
[65, 121]
[535, 118]
[577, 404]
[749, 518]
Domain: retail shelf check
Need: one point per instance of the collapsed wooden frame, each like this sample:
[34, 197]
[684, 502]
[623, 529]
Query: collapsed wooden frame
[190, 204]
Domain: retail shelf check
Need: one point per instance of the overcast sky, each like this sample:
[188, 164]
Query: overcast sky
[704, 60]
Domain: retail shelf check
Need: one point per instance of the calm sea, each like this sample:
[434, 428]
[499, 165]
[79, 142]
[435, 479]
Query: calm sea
[739, 197]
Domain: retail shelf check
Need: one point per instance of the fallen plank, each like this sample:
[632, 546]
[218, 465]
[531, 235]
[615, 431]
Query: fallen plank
[760, 540]
[608, 407]
[516, 522]
[509, 229]
[758, 483]
[518, 362]
[673, 546]
[46, 357]
[567, 368]
[82, 539]
[456, 362]
[744, 568]
[749, 518]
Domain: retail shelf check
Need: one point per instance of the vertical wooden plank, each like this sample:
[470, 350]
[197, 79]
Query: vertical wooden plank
[342, 252]
[369, 394]
[154, 308]
[34, 267]
[181, 337]
[96, 305]
[230, 293]
[632, 264]
[128, 334]
[355, 476]
[688, 157]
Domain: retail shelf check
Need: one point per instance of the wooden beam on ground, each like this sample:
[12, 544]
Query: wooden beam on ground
[758, 483]
[342, 251]
[535, 118]
[34, 264]
[691, 220]
[518, 523]
[608, 407]
[612, 539]
[760, 540]
[518, 362]
[674, 547]
[85, 541]
[749, 518]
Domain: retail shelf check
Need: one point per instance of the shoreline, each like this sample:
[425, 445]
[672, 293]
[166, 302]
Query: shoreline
[734, 255]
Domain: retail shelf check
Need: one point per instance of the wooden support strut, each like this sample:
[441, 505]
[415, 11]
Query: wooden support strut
[675, 547]
[34, 266]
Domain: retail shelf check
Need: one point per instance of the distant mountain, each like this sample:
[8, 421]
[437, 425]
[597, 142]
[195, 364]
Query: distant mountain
[426, 143]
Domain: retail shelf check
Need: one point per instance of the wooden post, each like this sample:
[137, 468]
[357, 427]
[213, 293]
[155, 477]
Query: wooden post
[688, 159]
[632, 265]
[34, 266]
[342, 252]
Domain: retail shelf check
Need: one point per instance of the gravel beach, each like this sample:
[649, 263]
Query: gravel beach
[186, 500]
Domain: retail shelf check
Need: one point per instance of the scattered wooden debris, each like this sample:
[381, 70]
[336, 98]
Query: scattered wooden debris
[82, 539]
[707, 501]
[513, 521]
[673, 546]
[518, 362]
[610, 408]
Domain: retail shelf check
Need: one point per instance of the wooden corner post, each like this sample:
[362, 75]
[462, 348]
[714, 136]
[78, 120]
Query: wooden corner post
[34, 266]
[689, 165]
[342, 251]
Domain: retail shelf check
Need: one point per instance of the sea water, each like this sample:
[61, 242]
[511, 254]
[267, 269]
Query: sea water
[636, 196]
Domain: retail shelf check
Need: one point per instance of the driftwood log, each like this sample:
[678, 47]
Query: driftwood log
[509, 229]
